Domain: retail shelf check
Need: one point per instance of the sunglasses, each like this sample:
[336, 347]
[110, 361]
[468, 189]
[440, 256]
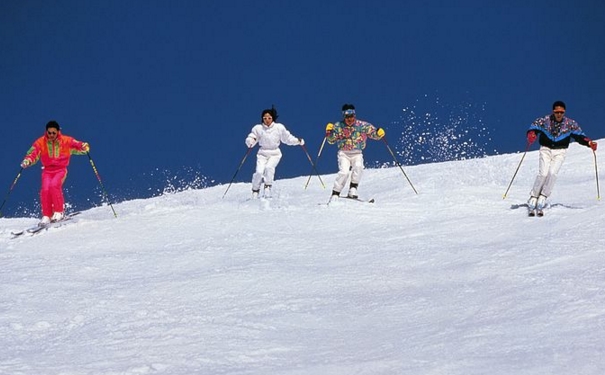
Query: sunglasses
[559, 112]
[51, 133]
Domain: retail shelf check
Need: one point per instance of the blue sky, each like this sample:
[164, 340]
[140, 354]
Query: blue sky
[163, 89]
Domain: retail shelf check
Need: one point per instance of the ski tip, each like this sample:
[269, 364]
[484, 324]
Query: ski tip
[17, 233]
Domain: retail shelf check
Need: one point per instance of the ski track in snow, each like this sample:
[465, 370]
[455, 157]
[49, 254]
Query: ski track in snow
[454, 280]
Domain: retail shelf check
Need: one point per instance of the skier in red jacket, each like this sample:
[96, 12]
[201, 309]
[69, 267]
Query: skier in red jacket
[54, 150]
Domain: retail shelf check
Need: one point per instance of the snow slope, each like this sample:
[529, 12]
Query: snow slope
[454, 280]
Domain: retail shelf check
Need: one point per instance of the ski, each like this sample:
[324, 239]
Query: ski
[53, 224]
[40, 227]
[29, 230]
[17, 233]
[360, 200]
[350, 198]
[37, 228]
[541, 212]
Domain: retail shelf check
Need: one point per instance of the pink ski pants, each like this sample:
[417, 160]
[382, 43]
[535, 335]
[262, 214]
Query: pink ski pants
[51, 193]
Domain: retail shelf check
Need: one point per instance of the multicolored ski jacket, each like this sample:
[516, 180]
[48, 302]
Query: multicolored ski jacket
[353, 137]
[557, 135]
[54, 154]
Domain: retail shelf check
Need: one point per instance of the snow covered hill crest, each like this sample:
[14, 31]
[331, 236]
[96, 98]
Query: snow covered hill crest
[454, 280]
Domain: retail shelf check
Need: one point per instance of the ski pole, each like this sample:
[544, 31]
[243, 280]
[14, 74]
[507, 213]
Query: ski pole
[94, 168]
[313, 165]
[596, 172]
[316, 160]
[10, 190]
[517, 170]
[237, 170]
[399, 164]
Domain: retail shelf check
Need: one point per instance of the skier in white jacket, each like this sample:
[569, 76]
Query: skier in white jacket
[269, 135]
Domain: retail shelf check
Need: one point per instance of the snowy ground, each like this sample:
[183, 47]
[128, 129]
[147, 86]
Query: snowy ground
[454, 280]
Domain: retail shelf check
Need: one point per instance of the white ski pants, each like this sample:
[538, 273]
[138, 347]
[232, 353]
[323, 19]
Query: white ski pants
[266, 162]
[348, 162]
[550, 163]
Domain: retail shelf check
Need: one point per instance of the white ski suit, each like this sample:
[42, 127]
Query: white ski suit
[268, 156]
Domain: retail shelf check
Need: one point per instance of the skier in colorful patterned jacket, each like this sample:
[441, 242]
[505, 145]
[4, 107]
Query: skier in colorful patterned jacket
[554, 132]
[269, 135]
[53, 149]
[350, 137]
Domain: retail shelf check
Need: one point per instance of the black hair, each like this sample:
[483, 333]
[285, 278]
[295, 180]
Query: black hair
[347, 107]
[558, 103]
[272, 112]
[53, 124]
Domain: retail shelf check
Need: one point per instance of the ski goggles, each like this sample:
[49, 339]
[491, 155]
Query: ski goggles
[349, 113]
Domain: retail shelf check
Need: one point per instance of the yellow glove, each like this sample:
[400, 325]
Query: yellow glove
[85, 147]
[25, 163]
[380, 132]
[329, 127]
